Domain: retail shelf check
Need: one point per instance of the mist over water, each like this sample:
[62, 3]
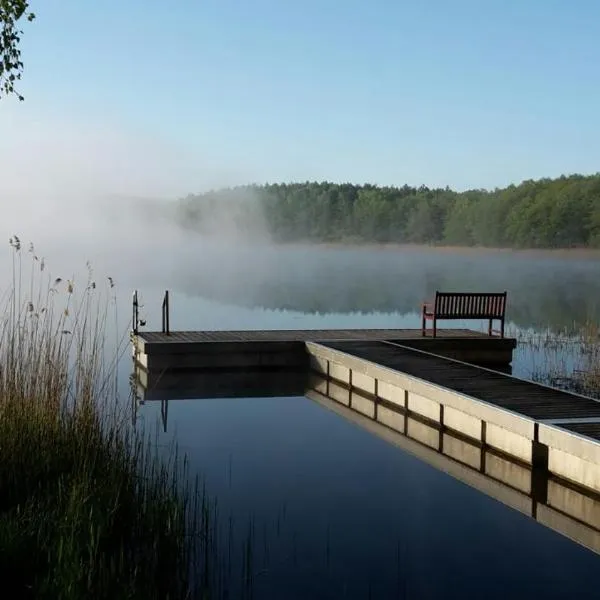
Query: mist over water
[102, 192]
[542, 291]
[141, 248]
[107, 194]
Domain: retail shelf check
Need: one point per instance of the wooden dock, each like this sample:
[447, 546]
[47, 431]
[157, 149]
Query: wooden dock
[532, 423]
[523, 397]
[402, 374]
[287, 348]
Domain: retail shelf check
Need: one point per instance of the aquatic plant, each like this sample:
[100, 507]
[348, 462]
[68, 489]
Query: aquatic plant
[568, 358]
[87, 508]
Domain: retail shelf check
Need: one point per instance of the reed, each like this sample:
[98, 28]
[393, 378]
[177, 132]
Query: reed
[569, 358]
[87, 508]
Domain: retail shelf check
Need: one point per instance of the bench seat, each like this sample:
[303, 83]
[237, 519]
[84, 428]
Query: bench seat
[465, 305]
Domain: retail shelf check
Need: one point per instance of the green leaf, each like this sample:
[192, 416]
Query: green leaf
[11, 65]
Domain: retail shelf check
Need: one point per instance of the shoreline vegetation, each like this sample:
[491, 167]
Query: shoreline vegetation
[544, 214]
[87, 508]
[568, 359]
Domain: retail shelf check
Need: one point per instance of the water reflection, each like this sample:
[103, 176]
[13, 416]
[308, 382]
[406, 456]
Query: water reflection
[168, 385]
[557, 504]
[543, 290]
[241, 383]
[571, 511]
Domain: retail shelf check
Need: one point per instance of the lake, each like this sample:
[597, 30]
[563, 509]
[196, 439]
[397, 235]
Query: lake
[311, 505]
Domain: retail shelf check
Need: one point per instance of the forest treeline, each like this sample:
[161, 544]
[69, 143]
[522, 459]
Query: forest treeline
[546, 213]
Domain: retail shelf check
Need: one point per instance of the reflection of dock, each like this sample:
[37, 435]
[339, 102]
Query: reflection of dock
[178, 385]
[532, 489]
[570, 510]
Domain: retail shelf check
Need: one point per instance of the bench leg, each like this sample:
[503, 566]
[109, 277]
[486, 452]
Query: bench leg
[490, 327]
[502, 328]
[434, 327]
[423, 324]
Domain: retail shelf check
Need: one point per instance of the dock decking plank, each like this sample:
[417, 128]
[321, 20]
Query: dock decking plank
[301, 335]
[520, 396]
[591, 430]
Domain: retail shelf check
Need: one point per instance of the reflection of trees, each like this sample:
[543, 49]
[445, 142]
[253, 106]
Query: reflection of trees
[542, 292]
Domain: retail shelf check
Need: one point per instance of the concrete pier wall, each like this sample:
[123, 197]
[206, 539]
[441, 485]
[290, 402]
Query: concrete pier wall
[572, 456]
[501, 429]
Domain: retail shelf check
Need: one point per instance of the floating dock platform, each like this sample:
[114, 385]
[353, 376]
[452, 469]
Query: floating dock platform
[535, 424]
[287, 348]
[404, 373]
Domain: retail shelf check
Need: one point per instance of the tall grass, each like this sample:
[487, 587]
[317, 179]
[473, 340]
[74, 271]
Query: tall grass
[86, 507]
[569, 359]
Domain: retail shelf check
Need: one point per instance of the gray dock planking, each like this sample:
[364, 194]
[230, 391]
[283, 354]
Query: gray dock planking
[299, 335]
[524, 397]
[590, 430]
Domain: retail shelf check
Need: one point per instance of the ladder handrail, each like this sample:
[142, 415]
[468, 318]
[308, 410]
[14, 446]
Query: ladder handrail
[165, 314]
[135, 319]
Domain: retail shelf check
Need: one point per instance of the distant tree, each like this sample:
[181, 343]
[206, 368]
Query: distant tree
[12, 12]
[548, 213]
[457, 229]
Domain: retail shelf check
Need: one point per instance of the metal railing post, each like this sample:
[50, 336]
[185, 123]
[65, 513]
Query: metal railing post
[135, 316]
[165, 314]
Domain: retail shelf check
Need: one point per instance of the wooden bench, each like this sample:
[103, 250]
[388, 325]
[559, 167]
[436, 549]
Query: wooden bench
[465, 305]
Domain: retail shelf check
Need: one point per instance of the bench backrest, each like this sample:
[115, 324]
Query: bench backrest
[475, 305]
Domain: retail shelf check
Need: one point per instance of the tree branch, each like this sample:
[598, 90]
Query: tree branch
[12, 12]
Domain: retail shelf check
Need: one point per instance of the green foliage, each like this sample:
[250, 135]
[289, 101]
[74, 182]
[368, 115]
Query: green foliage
[559, 213]
[87, 508]
[11, 65]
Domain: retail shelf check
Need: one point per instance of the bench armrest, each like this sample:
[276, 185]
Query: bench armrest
[427, 308]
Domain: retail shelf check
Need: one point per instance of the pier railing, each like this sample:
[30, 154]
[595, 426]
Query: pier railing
[135, 317]
[165, 313]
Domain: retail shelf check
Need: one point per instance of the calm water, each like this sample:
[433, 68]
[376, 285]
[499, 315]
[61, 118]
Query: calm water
[330, 510]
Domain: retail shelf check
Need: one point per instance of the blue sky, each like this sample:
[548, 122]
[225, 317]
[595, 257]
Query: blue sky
[170, 97]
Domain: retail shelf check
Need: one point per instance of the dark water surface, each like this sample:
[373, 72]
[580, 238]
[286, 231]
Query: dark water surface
[329, 509]
[338, 512]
